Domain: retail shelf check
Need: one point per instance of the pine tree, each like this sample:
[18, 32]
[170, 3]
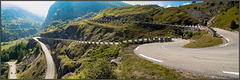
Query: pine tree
[233, 25]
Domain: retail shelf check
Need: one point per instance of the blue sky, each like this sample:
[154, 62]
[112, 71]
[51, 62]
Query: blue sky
[41, 7]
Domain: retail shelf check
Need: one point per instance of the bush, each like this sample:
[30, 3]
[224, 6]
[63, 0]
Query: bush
[188, 35]
[233, 25]
[195, 8]
[99, 70]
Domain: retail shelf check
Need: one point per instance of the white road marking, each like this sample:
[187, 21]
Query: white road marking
[235, 73]
[225, 44]
[227, 39]
[163, 47]
[136, 48]
[150, 58]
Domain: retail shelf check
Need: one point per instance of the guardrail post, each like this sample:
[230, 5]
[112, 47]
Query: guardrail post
[161, 39]
[151, 39]
[166, 39]
[147, 39]
[142, 40]
[156, 39]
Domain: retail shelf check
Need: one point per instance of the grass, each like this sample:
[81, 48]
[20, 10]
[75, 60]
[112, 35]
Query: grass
[174, 15]
[203, 40]
[137, 12]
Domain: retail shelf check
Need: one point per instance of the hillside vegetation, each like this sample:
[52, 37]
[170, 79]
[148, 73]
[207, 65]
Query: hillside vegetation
[34, 70]
[226, 16]
[19, 51]
[113, 31]
[30, 58]
[4, 70]
[224, 11]
[175, 15]
[137, 13]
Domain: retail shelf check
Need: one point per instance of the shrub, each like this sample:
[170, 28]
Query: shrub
[233, 25]
[188, 35]
[195, 8]
[101, 69]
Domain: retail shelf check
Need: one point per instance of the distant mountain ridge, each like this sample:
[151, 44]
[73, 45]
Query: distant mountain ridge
[12, 12]
[18, 23]
[65, 10]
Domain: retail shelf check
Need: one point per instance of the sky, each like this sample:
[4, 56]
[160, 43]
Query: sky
[41, 7]
[37, 7]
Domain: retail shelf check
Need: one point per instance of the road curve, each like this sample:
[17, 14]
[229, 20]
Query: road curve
[12, 70]
[218, 61]
[50, 64]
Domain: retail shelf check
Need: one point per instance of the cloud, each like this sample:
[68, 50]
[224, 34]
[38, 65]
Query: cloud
[186, 3]
[37, 7]
[169, 6]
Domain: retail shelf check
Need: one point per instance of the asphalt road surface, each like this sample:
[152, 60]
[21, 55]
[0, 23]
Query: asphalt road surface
[220, 61]
[50, 64]
[12, 70]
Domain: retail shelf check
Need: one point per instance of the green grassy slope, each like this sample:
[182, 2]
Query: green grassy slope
[175, 15]
[203, 39]
[226, 16]
[137, 13]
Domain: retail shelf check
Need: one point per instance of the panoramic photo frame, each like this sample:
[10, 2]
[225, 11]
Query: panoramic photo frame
[120, 39]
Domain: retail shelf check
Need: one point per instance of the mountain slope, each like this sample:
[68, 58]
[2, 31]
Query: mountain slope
[137, 13]
[65, 10]
[18, 23]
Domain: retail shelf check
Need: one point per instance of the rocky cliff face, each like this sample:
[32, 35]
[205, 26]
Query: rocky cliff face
[65, 10]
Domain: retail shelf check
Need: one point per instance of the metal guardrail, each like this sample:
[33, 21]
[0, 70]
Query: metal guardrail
[143, 40]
